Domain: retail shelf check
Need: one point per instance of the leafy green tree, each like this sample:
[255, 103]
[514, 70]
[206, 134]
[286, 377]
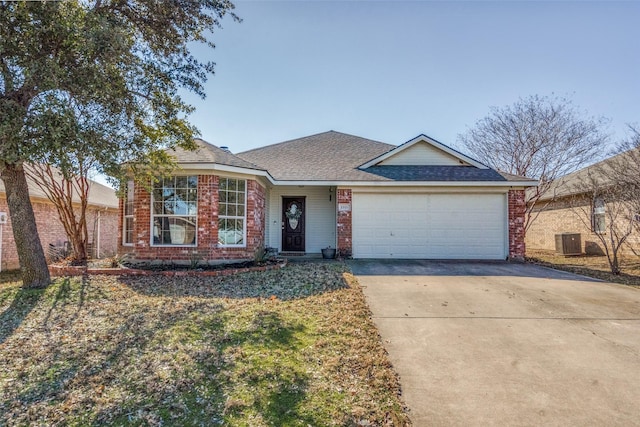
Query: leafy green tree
[99, 77]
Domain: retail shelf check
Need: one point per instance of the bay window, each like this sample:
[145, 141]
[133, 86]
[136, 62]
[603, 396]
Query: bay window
[174, 211]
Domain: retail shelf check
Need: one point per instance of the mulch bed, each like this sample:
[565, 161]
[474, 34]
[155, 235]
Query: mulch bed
[170, 270]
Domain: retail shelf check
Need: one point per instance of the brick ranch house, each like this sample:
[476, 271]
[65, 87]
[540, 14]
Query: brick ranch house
[567, 208]
[366, 198]
[102, 223]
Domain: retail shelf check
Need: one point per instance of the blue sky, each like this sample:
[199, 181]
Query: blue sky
[392, 70]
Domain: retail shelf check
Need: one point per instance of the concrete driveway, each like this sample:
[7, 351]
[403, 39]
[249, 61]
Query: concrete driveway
[482, 343]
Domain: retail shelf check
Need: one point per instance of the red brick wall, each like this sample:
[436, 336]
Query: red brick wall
[344, 224]
[207, 248]
[517, 208]
[51, 230]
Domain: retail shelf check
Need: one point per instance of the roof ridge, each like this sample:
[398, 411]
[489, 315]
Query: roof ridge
[311, 136]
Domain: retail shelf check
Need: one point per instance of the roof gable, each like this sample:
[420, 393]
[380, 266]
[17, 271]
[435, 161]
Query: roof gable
[423, 151]
[421, 154]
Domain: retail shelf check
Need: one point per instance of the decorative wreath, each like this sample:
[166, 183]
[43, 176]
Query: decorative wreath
[293, 215]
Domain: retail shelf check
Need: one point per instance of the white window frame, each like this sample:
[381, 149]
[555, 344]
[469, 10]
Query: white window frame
[243, 217]
[599, 210]
[153, 216]
[128, 198]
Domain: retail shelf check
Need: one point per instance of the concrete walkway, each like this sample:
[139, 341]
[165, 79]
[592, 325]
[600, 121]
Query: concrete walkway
[507, 344]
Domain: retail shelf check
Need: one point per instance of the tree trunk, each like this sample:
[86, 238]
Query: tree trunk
[33, 264]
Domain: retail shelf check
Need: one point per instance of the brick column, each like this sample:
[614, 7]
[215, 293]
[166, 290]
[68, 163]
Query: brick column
[120, 248]
[141, 222]
[255, 215]
[207, 239]
[517, 208]
[343, 226]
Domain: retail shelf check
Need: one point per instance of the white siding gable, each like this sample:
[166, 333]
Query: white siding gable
[422, 154]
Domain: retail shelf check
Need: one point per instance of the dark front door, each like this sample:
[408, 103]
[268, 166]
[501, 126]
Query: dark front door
[293, 213]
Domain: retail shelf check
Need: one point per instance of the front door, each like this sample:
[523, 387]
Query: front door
[293, 213]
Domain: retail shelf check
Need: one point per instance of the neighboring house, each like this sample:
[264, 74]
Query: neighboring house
[570, 206]
[368, 199]
[102, 223]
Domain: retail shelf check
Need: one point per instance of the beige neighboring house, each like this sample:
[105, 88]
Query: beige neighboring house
[102, 223]
[569, 208]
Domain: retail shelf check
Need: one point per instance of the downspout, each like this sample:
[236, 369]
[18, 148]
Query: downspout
[98, 237]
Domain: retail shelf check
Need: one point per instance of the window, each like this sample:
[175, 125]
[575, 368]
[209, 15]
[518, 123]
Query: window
[127, 223]
[598, 223]
[232, 198]
[175, 210]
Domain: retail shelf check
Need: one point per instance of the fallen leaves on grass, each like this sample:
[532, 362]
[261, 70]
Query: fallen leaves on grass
[590, 266]
[294, 346]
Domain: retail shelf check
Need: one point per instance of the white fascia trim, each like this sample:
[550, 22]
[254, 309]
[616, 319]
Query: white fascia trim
[273, 181]
[433, 142]
[409, 183]
[227, 168]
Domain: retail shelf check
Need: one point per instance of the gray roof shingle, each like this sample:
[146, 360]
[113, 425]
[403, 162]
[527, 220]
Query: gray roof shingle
[436, 173]
[209, 153]
[327, 156]
[335, 156]
[601, 172]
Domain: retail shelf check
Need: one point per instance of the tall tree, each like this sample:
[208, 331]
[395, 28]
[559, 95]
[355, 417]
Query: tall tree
[99, 76]
[538, 137]
[70, 196]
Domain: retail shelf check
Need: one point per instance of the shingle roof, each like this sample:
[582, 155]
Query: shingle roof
[99, 195]
[436, 173]
[327, 156]
[512, 177]
[601, 172]
[335, 156]
[209, 153]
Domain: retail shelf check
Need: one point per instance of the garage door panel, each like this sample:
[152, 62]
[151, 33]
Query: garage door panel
[438, 226]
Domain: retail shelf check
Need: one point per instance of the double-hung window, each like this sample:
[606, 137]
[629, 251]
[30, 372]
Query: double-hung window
[232, 213]
[175, 211]
[598, 221]
[127, 221]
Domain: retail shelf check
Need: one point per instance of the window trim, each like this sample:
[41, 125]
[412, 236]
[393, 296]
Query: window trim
[595, 215]
[152, 217]
[129, 190]
[244, 218]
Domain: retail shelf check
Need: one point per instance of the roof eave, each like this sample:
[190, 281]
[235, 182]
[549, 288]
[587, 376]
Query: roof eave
[407, 183]
[226, 168]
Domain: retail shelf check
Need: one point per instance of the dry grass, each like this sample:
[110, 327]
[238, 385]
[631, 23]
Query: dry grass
[591, 266]
[289, 347]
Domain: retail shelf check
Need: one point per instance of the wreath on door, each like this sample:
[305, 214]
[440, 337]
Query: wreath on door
[293, 214]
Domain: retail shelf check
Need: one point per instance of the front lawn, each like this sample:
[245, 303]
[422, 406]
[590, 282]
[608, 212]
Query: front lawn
[289, 347]
[590, 265]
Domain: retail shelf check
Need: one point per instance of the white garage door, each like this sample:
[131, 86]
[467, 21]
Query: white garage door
[431, 226]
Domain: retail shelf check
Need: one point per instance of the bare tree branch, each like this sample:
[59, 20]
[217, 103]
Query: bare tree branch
[537, 137]
[66, 193]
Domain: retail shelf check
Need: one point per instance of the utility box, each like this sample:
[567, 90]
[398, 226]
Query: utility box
[568, 244]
